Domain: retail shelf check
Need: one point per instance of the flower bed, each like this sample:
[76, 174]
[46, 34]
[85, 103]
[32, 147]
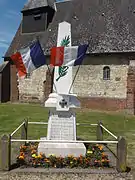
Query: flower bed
[95, 157]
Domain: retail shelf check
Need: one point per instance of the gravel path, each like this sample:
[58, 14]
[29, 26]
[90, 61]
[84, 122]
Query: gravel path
[42, 176]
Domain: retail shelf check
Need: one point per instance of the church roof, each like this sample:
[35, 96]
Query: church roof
[32, 4]
[109, 26]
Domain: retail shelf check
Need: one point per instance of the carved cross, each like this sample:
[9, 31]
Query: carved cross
[63, 103]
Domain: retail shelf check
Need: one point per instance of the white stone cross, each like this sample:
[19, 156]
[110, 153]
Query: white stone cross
[63, 83]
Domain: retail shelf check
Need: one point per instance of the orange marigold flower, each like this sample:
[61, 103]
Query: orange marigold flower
[100, 147]
[21, 153]
[21, 157]
[70, 155]
[39, 156]
[47, 161]
[33, 151]
[81, 156]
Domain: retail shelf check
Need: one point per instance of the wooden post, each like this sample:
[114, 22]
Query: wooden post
[99, 132]
[5, 152]
[24, 130]
[121, 155]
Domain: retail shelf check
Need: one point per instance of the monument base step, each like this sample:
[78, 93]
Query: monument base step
[62, 149]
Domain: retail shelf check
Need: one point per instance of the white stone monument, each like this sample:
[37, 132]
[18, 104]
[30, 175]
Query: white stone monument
[62, 119]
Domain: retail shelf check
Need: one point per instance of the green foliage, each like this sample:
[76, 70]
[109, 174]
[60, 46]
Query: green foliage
[65, 41]
[62, 71]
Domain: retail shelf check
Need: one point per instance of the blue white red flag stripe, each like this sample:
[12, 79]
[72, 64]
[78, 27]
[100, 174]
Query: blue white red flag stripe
[57, 56]
[37, 55]
[81, 54]
[29, 59]
[68, 56]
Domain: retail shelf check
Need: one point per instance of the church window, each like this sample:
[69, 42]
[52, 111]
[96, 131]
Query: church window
[106, 73]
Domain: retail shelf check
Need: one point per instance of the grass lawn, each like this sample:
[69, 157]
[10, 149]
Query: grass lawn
[11, 116]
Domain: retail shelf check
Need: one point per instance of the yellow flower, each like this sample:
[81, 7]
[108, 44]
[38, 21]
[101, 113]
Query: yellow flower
[33, 155]
[52, 155]
[89, 152]
[71, 162]
[39, 156]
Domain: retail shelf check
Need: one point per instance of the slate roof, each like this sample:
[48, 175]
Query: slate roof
[32, 4]
[108, 25]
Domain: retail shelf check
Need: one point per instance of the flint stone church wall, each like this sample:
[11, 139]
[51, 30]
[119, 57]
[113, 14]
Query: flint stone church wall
[31, 89]
[96, 93]
[89, 82]
[89, 85]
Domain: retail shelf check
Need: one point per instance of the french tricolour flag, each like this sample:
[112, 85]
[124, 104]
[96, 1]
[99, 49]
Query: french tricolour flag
[68, 56]
[29, 59]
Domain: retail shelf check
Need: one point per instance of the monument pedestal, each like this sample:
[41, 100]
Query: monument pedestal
[62, 149]
[61, 126]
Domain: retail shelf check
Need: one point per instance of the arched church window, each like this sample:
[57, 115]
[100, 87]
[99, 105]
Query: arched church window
[106, 73]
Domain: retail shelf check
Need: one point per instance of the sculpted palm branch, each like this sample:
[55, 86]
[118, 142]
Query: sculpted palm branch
[63, 69]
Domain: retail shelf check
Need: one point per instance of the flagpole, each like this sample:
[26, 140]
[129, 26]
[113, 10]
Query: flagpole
[74, 78]
[52, 77]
